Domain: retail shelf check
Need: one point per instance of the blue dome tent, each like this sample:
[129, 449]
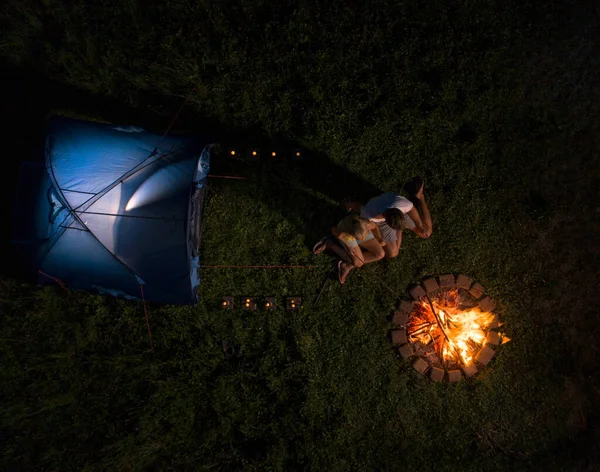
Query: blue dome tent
[115, 208]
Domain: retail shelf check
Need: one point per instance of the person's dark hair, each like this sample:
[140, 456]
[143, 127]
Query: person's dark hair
[394, 218]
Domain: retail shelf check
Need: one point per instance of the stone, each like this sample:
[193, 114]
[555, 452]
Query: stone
[406, 351]
[399, 336]
[420, 365]
[430, 284]
[493, 338]
[486, 304]
[463, 281]
[495, 323]
[400, 318]
[436, 374]
[406, 306]
[476, 290]
[417, 292]
[485, 355]
[447, 280]
[454, 376]
[470, 370]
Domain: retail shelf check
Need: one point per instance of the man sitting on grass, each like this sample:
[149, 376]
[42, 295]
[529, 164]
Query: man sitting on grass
[394, 213]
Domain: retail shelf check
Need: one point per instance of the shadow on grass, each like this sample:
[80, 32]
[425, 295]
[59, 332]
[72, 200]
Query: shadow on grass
[306, 193]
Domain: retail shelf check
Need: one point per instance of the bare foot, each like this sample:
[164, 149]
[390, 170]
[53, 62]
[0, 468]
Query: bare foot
[343, 271]
[414, 188]
[420, 195]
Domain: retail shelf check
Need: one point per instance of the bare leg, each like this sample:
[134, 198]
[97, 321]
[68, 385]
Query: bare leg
[345, 269]
[371, 251]
[338, 251]
[423, 210]
[392, 248]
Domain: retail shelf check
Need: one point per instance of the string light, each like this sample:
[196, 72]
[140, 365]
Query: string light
[232, 152]
[298, 154]
[273, 154]
[254, 153]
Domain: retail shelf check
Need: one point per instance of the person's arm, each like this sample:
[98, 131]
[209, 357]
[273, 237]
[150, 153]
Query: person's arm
[374, 228]
[414, 215]
[420, 229]
[425, 215]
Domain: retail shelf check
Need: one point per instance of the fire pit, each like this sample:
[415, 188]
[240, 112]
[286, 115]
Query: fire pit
[449, 325]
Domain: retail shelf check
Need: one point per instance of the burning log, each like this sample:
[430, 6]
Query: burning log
[423, 329]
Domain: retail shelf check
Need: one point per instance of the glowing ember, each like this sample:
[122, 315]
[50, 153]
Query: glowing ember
[447, 333]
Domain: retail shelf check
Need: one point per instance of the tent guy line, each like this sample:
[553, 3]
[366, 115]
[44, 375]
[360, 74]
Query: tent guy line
[257, 266]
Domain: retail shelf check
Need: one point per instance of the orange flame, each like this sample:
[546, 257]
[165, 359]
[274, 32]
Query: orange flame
[457, 334]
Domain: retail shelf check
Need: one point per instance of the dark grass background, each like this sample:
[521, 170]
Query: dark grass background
[494, 104]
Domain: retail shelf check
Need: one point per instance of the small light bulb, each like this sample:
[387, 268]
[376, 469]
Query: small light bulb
[247, 304]
[254, 153]
[268, 305]
[224, 303]
[298, 154]
[247, 300]
[233, 153]
[273, 154]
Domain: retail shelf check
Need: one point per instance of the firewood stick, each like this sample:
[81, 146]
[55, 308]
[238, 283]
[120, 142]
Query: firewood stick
[426, 323]
[442, 329]
[420, 330]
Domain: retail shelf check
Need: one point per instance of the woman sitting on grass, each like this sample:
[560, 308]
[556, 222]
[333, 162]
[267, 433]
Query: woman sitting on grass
[360, 243]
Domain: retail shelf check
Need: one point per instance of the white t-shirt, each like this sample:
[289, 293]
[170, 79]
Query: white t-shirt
[376, 206]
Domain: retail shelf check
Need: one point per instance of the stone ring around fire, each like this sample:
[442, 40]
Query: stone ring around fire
[449, 325]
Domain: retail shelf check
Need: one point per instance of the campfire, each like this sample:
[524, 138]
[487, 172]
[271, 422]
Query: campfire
[450, 326]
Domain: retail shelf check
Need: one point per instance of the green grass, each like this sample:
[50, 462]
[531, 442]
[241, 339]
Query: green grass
[495, 106]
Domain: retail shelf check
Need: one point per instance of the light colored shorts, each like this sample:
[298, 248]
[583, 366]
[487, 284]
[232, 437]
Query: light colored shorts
[351, 242]
[390, 235]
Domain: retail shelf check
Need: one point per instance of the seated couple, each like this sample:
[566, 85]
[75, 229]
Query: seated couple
[374, 231]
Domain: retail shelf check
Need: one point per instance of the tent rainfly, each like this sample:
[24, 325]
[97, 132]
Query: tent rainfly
[115, 209]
